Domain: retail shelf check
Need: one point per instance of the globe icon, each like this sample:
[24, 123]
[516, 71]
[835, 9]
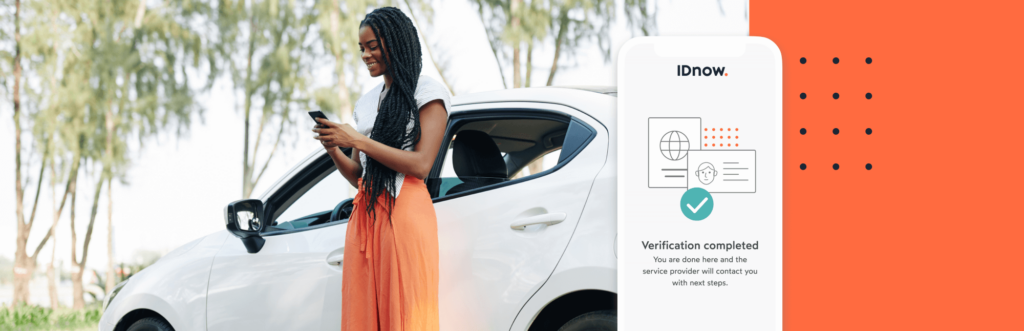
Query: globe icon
[674, 145]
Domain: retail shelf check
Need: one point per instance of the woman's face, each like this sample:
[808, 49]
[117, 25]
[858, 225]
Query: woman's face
[372, 51]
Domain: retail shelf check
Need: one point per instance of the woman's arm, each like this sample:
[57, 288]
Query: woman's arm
[349, 167]
[417, 163]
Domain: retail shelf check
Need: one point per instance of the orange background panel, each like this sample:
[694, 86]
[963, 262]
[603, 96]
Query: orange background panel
[933, 236]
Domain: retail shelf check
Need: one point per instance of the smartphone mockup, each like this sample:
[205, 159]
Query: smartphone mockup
[700, 184]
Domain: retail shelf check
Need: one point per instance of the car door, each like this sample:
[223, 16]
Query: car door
[500, 240]
[294, 281]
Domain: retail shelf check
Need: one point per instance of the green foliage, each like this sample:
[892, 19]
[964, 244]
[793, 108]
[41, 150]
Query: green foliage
[567, 22]
[576, 21]
[96, 59]
[25, 317]
[267, 48]
[640, 16]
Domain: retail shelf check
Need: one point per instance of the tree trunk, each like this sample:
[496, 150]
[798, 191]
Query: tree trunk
[68, 188]
[529, 62]
[51, 279]
[109, 286]
[76, 283]
[22, 267]
[537, 166]
[111, 273]
[344, 101]
[50, 273]
[493, 45]
[430, 53]
[80, 265]
[246, 168]
[251, 164]
[563, 25]
[76, 270]
[516, 79]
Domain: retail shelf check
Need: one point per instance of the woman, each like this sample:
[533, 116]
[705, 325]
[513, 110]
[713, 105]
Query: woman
[390, 273]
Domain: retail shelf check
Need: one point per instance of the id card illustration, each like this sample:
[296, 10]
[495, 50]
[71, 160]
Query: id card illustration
[700, 184]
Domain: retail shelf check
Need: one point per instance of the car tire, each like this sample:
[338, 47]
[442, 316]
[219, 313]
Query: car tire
[601, 320]
[150, 324]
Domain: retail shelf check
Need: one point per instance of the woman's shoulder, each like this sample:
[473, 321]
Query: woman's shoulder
[429, 84]
[429, 89]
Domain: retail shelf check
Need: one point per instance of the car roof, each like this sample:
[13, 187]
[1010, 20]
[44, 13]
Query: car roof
[596, 101]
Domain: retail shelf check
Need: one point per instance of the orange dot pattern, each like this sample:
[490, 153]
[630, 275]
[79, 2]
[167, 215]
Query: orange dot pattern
[732, 137]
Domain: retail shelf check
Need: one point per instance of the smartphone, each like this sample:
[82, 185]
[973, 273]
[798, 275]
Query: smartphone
[700, 183]
[315, 114]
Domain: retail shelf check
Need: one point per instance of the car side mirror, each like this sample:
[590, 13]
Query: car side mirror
[244, 219]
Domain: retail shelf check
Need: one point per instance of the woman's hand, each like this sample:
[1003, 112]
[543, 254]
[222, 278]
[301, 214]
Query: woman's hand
[332, 134]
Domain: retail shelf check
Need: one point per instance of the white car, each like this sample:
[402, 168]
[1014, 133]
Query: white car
[518, 250]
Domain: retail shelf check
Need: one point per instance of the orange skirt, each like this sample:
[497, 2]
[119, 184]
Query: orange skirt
[390, 272]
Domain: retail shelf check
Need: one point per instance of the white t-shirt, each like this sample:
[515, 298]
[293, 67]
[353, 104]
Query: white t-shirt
[365, 113]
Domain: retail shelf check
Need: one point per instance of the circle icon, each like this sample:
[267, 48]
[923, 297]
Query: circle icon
[697, 204]
[674, 145]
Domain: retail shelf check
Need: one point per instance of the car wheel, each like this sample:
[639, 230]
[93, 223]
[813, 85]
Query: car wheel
[601, 320]
[150, 324]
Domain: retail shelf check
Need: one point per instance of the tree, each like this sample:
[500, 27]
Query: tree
[49, 33]
[574, 22]
[512, 23]
[139, 84]
[429, 12]
[339, 32]
[639, 17]
[24, 264]
[272, 72]
[106, 73]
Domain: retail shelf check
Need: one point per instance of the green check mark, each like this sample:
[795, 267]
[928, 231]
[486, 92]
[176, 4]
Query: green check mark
[696, 204]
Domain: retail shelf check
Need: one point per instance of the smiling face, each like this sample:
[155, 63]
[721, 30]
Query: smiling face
[372, 51]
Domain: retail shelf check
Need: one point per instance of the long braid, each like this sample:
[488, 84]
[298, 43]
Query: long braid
[404, 61]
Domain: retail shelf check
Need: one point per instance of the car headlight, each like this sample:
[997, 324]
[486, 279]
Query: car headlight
[117, 288]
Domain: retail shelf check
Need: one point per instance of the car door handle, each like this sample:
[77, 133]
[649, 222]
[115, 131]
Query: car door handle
[336, 257]
[546, 219]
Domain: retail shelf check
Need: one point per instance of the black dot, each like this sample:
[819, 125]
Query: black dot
[868, 95]
[803, 131]
[835, 96]
[835, 60]
[868, 166]
[803, 95]
[835, 166]
[868, 60]
[803, 60]
[803, 166]
[868, 131]
[835, 131]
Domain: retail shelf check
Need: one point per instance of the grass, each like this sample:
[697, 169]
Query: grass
[32, 318]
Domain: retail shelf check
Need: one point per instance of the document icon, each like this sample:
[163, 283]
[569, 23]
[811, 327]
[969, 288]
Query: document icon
[670, 140]
[723, 171]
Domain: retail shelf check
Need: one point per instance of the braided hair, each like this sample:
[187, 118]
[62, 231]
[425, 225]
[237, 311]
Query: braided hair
[403, 62]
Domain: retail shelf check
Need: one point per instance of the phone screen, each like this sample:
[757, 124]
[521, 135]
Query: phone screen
[700, 183]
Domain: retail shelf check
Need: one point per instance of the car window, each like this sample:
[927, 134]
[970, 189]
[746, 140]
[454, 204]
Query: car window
[314, 203]
[541, 164]
[495, 151]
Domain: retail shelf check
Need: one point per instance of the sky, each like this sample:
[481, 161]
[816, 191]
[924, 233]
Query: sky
[177, 187]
